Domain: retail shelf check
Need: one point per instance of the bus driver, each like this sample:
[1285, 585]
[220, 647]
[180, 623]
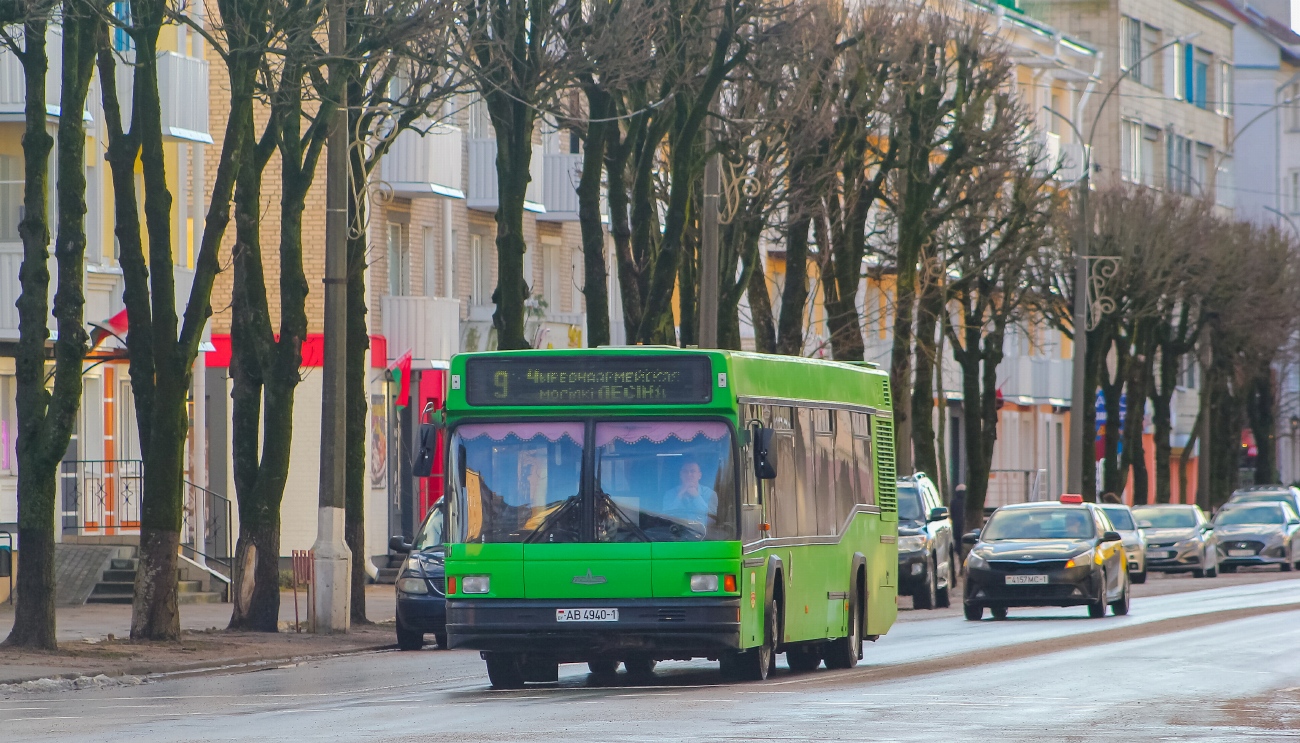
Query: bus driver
[690, 501]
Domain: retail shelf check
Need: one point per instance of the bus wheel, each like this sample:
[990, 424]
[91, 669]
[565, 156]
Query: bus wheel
[803, 658]
[603, 669]
[539, 669]
[755, 664]
[845, 652]
[505, 670]
[640, 669]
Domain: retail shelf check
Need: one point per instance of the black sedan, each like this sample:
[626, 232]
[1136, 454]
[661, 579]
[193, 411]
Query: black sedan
[422, 585]
[1046, 554]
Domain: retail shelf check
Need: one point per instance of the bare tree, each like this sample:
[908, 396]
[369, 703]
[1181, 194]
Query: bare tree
[47, 417]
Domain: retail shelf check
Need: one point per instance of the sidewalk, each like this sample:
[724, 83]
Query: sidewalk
[85, 647]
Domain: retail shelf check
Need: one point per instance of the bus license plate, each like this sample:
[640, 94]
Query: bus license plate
[1241, 553]
[586, 615]
[1019, 580]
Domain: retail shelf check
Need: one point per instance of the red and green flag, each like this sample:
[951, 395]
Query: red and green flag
[400, 370]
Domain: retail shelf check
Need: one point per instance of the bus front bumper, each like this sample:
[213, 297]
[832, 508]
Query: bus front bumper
[663, 628]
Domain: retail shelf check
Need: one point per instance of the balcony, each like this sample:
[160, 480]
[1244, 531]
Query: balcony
[483, 177]
[11, 258]
[425, 163]
[183, 88]
[429, 327]
[562, 171]
[1073, 156]
[13, 88]
[1050, 153]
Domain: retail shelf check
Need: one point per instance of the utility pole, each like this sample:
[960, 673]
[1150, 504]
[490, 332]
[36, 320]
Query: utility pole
[708, 337]
[1078, 457]
[332, 565]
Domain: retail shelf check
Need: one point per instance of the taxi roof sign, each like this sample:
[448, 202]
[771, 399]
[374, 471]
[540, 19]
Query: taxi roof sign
[1071, 498]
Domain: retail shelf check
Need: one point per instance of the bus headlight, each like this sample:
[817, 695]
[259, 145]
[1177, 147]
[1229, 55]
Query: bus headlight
[476, 584]
[704, 583]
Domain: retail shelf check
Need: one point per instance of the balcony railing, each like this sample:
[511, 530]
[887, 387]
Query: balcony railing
[206, 527]
[101, 497]
[429, 327]
[183, 87]
[11, 259]
[426, 164]
[483, 177]
[562, 172]
[13, 87]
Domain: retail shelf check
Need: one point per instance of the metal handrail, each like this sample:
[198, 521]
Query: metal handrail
[218, 544]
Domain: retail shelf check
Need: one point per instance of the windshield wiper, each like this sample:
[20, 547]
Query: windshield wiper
[548, 522]
[621, 516]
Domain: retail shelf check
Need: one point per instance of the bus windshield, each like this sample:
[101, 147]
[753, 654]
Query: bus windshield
[664, 481]
[517, 482]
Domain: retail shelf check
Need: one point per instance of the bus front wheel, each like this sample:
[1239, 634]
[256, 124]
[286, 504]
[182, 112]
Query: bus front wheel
[505, 670]
[755, 664]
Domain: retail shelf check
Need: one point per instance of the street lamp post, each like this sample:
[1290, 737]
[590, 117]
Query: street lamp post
[1079, 458]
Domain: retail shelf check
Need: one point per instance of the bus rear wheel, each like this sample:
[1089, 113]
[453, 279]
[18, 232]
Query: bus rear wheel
[505, 670]
[803, 658]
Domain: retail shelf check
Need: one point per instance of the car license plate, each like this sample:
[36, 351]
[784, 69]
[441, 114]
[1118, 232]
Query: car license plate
[586, 615]
[1158, 554]
[1019, 580]
[1241, 553]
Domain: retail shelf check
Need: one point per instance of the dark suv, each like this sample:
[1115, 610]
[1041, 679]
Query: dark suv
[926, 568]
[422, 585]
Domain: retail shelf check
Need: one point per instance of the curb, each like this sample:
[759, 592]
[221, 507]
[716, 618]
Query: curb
[181, 670]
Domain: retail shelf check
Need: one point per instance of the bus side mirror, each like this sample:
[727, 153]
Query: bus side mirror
[426, 450]
[764, 466]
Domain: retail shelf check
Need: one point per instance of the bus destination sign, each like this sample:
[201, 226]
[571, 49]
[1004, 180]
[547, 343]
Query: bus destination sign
[589, 380]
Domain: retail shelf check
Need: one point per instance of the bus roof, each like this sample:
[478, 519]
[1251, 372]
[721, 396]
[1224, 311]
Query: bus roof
[734, 377]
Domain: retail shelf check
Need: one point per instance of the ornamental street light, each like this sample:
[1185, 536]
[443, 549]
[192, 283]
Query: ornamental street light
[1083, 283]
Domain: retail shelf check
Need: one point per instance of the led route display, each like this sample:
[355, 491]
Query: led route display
[622, 380]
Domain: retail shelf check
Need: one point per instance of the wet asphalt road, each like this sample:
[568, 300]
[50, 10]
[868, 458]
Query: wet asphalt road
[1208, 665]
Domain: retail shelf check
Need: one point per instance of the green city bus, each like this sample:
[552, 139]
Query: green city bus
[650, 503]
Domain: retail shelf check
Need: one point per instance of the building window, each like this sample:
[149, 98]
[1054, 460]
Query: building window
[1203, 172]
[399, 262]
[1131, 151]
[481, 272]
[1224, 185]
[1150, 139]
[1131, 45]
[122, 41]
[11, 197]
[551, 277]
[1295, 192]
[430, 279]
[1198, 76]
[1293, 106]
[1179, 160]
[1175, 72]
[1225, 89]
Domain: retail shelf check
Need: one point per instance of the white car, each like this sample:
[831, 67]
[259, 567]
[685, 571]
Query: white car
[1134, 539]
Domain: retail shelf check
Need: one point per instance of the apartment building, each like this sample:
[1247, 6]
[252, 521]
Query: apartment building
[99, 485]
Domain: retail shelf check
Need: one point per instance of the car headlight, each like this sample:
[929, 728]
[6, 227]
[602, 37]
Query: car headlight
[416, 586]
[973, 560]
[476, 584]
[911, 543]
[1083, 559]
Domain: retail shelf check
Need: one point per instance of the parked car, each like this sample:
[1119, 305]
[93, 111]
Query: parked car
[1258, 533]
[422, 585]
[1046, 554]
[1133, 538]
[926, 567]
[1267, 494]
[1179, 539]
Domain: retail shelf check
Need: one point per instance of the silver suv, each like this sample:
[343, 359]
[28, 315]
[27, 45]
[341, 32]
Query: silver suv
[1132, 536]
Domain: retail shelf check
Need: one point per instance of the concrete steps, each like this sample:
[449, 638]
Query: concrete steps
[117, 586]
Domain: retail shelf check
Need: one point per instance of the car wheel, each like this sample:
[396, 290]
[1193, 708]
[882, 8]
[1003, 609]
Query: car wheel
[1097, 609]
[942, 596]
[973, 612]
[803, 658]
[1120, 606]
[1286, 567]
[999, 612]
[1227, 568]
[924, 597]
[409, 639]
[1139, 578]
[640, 669]
[505, 670]
[845, 652]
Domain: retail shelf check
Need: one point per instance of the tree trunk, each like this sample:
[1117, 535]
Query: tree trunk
[357, 403]
[1135, 454]
[760, 308]
[923, 444]
[1225, 435]
[1185, 458]
[1111, 391]
[594, 272]
[34, 620]
[794, 295]
[1162, 396]
[688, 285]
[512, 121]
[1262, 409]
[620, 229]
